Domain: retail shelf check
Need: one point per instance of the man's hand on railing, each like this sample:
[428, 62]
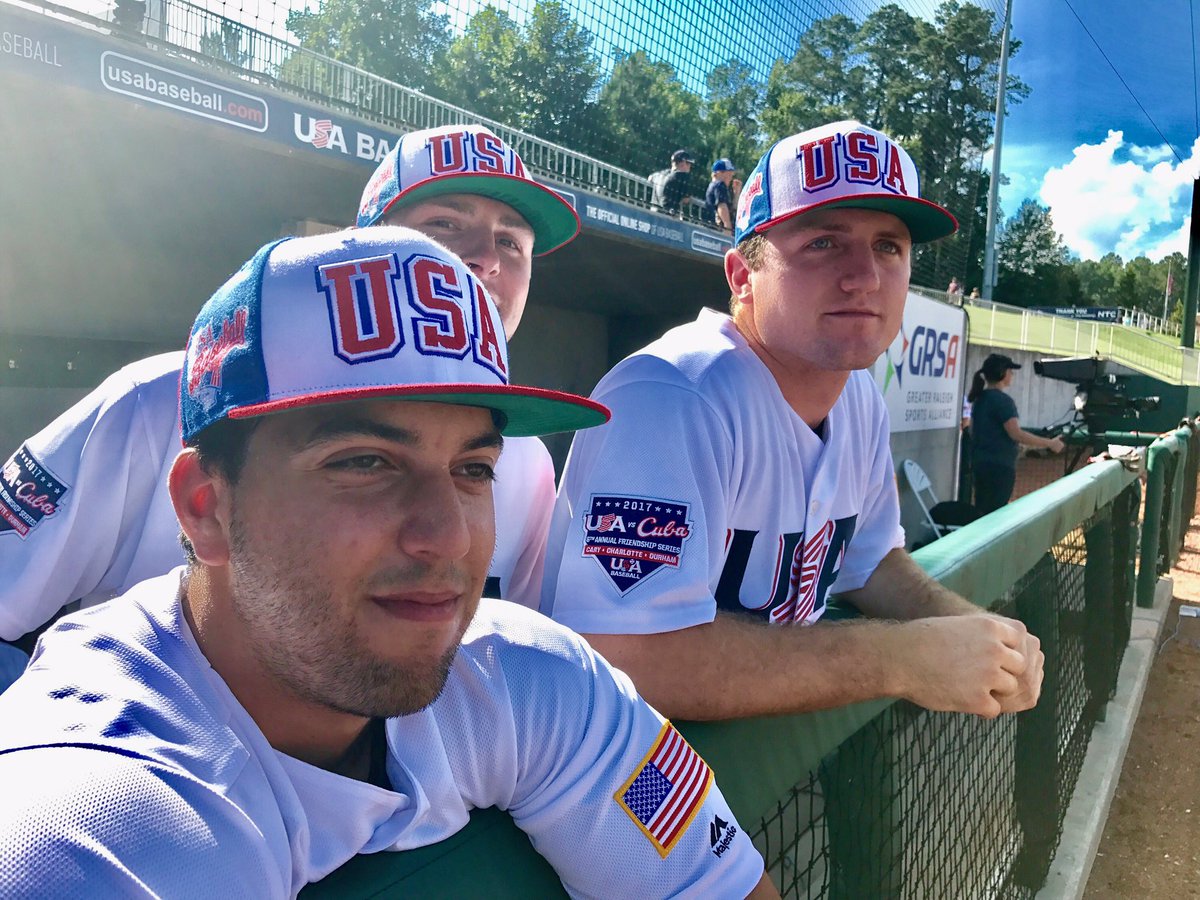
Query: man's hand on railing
[979, 664]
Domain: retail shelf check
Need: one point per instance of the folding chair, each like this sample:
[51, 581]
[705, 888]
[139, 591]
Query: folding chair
[942, 517]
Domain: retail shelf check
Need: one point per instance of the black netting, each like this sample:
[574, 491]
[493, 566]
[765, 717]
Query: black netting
[920, 804]
[598, 95]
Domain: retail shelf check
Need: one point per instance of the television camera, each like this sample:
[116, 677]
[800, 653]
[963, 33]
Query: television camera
[1103, 402]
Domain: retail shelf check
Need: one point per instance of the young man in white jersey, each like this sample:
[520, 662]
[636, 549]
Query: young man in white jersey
[747, 474]
[84, 510]
[322, 678]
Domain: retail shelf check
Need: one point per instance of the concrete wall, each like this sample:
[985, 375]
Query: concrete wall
[1040, 401]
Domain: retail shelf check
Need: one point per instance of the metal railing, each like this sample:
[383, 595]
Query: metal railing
[183, 28]
[999, 325]
[885, 799]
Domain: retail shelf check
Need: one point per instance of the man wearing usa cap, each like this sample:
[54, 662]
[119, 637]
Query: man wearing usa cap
[746, 473]
[108, 522]
[322, 678]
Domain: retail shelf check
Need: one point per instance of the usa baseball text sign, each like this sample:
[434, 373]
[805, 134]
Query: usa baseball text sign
[921, 373]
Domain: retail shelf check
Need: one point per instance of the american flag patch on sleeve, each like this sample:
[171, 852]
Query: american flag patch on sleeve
[666, 790]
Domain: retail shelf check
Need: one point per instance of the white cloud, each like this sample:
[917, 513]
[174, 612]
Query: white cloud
[1122, 198]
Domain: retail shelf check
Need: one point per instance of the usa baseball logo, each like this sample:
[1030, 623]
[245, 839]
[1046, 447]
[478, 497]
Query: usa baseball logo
[448, 311]
[363, 308]
[207, 351]
[807, 562]
[631, 538]
[376, 185]
[29, 493]
[478, 152]
[785, 577]
[856, 158]
[752, 190]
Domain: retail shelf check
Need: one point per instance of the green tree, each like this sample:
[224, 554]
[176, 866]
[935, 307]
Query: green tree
[731, 112]
[225, 43]
[889, 43]
[1099, 280]
[1035, 267]
[538, 78]
[958, 61]
[822, 83]
[645, 113]
[481, 64]
[402, 40]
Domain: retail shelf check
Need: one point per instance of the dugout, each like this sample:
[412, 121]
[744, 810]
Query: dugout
[121, 215]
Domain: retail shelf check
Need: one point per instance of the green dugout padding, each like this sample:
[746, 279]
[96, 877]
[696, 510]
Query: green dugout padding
[757, 761]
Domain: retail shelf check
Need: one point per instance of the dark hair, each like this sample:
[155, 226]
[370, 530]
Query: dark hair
[993, 370]
[221, 446]
[977, 387]
[221, 450]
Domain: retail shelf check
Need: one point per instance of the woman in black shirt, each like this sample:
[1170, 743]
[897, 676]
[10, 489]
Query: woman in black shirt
[996, 432]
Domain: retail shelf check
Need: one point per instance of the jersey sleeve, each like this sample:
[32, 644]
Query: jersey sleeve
[878, 531]
[75, 496]
[524, 504]
[85, 822]
[638, 535]
[612, 795]
[1006, 408]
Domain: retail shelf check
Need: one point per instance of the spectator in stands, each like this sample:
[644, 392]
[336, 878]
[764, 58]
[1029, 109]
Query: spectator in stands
[974, 294]
[996, 432]
[671, 185]
[747, 474]
[954, 292]
[718, 199]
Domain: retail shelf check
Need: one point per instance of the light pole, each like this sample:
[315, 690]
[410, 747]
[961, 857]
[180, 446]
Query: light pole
[989, 241]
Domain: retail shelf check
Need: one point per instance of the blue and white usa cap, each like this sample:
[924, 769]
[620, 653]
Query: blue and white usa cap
[356, 314]
[844, 164]
[466, 159]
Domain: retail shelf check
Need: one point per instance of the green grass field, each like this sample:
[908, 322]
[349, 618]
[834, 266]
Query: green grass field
[1154, 355]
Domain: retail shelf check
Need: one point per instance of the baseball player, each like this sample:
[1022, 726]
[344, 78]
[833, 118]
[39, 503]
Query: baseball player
[84, 509]
[315, 683]
[747, 474]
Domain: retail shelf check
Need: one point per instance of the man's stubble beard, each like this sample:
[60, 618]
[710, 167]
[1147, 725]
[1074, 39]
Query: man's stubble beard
[299, 641]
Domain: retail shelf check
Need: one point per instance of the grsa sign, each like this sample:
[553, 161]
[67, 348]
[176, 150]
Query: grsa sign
[920, 374]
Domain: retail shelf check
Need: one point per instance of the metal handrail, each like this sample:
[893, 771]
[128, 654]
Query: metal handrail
[1001, 325]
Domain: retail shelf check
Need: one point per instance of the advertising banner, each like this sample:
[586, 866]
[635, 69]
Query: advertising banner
[920, 374]
[1088, 313]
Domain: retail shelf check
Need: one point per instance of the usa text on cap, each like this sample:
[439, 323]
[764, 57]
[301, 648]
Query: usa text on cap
[466, 159]
[374, 312]
[844, 164]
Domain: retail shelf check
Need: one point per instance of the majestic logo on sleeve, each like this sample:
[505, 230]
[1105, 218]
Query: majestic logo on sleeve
[795, 588]
[29, 492]
[666, 790]
[633, 537]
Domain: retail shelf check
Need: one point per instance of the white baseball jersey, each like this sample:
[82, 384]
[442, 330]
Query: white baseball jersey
[130, 768]
[85, 513]
[707, 491]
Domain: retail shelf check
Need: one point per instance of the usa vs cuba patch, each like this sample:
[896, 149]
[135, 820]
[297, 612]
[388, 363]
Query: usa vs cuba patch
[666, 790]
[633, 537]
[29, 492]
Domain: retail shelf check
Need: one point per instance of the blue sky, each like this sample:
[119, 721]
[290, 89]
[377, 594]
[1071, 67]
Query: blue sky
[1082, 146]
